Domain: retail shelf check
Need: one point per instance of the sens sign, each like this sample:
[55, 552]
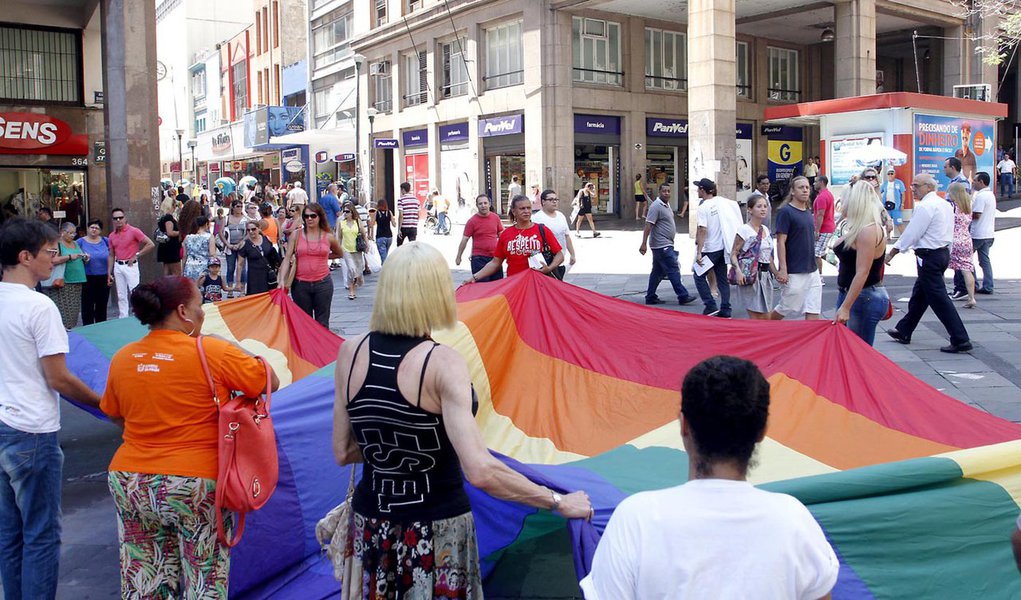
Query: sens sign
[31, 131]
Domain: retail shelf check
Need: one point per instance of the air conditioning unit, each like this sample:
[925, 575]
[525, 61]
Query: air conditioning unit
[379, 68]
[982, 92]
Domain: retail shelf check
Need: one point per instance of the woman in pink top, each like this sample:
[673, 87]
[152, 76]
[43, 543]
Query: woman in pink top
[309, 253]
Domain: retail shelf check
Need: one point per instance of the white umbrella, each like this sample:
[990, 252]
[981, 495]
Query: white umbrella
[874, 154]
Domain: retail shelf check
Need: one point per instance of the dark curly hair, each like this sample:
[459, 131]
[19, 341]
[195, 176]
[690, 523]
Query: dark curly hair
[153, 302]
[725, 401]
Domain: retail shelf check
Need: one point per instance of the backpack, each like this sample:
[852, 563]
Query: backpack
[248, 463]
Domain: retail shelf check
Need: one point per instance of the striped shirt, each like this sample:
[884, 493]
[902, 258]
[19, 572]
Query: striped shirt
[408, 205]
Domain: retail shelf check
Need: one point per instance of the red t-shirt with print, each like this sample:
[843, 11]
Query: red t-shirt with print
[516, 245]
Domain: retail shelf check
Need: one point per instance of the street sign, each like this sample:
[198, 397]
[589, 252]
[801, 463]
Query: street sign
[99, 153]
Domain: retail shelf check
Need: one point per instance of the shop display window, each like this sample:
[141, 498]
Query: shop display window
[24, 191]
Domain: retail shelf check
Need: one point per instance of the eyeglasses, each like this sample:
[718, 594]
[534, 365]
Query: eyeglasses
[120, 218]
[52, 251]
[870, 177]
[251, 229]
[553, 199]
[308, 216]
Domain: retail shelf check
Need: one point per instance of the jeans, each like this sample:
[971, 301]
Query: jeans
[95, 297]
[443, 224]
[383, 245]
[1007, 184]
[664, 266]
[702, 282]
[478, 262]
[232, 263]
[867, 311]
[407, 233]
[315, 298]
[31, 466]
[125, 277]
[930, 291]
[982, 248]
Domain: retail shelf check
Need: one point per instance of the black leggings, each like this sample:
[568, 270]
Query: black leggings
[95, 298]
[315, 298]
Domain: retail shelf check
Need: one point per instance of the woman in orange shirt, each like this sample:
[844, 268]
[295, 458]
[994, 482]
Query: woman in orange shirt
[163, 476]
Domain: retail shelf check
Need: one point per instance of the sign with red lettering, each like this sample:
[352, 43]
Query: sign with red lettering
[35, 133]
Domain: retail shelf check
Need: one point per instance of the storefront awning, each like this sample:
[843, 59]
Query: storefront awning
[334, 141]
[809, 113]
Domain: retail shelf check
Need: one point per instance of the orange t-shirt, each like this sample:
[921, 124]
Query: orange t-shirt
[271, 230]
[170, 423]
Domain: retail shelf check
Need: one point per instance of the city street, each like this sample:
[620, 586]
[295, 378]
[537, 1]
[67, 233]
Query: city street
[987, 378]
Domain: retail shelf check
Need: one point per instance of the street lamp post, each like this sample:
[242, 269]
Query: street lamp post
[194, 168]
[180, 156]
[359, 61]
[371, 112]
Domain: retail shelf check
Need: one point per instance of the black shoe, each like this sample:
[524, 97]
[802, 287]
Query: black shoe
[984, 292]
[724, 313]
[596, 234]
[956, 348]
[686, 300]
[898, 336]
[710, 311]
[958, 295]
[654, 301]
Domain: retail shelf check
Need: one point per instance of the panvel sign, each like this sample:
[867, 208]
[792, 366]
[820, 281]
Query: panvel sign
[938, 138]
[785, 148]
[34, 133]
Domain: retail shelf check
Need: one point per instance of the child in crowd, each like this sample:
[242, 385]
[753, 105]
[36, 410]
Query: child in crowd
[210, 283]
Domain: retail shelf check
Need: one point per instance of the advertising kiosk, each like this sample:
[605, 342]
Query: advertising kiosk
[928, 129]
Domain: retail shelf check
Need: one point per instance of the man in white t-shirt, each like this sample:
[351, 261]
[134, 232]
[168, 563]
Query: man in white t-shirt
[983, 228]
[33, 374]
[556, 221]
[714, 217]
[716, 536]
[297, 195]
[1006, 168]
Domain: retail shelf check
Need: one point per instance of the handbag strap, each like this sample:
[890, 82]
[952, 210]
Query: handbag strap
[205, 369]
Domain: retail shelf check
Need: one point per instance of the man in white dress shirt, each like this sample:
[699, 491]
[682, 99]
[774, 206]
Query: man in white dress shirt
[930, 234]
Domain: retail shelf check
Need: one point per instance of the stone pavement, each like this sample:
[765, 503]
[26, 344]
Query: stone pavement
[988, 378]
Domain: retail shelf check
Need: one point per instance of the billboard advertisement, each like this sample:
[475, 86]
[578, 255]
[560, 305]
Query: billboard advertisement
[784, 148]
[841, 164]
[937, 138]
[272, 121]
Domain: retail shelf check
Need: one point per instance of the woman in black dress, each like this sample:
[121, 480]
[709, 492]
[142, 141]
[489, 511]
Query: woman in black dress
[261, 258]
[584, 201]
[168, 252]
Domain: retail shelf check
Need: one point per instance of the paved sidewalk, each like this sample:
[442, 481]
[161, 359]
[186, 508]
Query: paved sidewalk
[988, 378]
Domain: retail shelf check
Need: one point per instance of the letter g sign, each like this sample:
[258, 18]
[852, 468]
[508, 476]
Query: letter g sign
[785, 153]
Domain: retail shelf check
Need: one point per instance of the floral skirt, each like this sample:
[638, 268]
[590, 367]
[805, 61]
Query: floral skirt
[68, 299]
[415, 561]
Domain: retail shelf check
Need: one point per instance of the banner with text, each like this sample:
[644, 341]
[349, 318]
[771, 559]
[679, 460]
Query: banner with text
[938, 138]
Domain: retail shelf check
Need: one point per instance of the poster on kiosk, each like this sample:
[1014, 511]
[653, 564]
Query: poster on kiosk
[939, 137]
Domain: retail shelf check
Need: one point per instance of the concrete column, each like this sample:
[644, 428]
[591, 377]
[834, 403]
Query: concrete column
[712, 95]
[953, 59]
[132, 154]
[532, 31]
[855, 66]
[982, 71]
[558, 105]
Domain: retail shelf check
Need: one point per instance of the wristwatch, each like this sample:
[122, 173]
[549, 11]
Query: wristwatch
[556, 500]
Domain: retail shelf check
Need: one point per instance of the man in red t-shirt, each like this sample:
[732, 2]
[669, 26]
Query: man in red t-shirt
[519, 243]
[483, 229]
[825, 225]
[127, 245]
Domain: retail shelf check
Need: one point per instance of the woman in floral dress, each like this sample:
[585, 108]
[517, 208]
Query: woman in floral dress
[960, 252]
[199, 246]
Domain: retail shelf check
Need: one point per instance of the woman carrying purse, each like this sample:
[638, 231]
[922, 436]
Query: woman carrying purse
[755, 288]
[354, 243]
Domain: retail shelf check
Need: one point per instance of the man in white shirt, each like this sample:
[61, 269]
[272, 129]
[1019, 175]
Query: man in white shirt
[930, 233]
[983, 228]
[551, 218]
[713, 215]
[1006, 169]
[33, 374]
[514, 189]
[716, 536]
[297, 195]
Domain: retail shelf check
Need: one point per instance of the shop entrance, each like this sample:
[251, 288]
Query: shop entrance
[666, 164]
[63, 191]
[599, 165]
[501, 170]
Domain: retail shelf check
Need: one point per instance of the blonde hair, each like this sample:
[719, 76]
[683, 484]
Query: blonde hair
[959, 194]
[415, 293]
[861, 210]
[790, 189]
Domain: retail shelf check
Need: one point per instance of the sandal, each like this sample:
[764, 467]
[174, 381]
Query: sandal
[971, 304]
[350, 296]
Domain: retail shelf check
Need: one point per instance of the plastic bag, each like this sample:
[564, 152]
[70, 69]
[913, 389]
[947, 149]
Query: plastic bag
[372, 259]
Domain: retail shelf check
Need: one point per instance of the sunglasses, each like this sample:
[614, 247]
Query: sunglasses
[307, 216]
[121, 218]
[251, 229]
[870, 177]
[347, 212]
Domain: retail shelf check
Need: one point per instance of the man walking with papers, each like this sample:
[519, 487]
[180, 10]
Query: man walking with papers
[714, 219]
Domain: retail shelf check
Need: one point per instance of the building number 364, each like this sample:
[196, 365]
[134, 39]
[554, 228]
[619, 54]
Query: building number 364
[80, 162]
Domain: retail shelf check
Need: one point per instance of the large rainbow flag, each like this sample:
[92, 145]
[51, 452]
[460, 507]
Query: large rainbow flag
[916, 491]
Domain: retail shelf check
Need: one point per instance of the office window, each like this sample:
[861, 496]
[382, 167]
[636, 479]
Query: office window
[200, 122]
[504, 56]
[276, 24]
[784, 82]
[326, 100]
[454, 71]
[258, 33]
[331, 37]
[40, 65]
[265, 28]
[276, 84]
[666, 60]
[744, 71]
[411, 6]
[596, 51]
[382, 86]
[416, 76]
[260, 99]
[379, 16]
[240, 78]
[198, 83]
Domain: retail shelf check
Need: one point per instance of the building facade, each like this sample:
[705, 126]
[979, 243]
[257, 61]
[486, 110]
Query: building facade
[469, 94]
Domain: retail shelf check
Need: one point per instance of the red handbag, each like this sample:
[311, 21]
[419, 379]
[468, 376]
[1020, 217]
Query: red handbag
[248, 462]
